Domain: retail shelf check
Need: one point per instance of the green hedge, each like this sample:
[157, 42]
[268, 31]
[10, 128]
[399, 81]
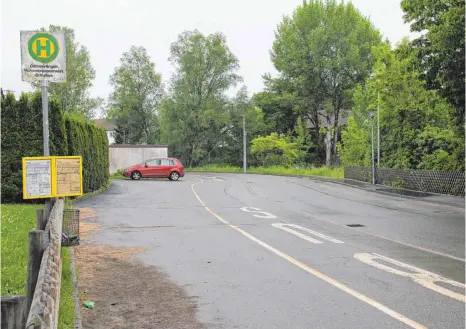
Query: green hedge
[21, 136]
[91, 142]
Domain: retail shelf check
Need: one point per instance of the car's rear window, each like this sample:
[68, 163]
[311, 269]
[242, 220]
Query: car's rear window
[167, 162]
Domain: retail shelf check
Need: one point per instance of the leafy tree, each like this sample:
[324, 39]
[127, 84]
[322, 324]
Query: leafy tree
[324, 49]
[415, 122]
[136, 96]
[74, 94]
[303, 140]
[276, 150]
[440, 48]
[120, 135]
[231, 149]
[355, 146]
[195, 115]
[276, 102]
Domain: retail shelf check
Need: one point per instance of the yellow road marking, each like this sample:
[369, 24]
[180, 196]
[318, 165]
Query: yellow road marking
[313, 271]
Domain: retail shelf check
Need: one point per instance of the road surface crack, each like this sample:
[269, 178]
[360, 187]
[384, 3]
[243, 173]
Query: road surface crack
[232, 197]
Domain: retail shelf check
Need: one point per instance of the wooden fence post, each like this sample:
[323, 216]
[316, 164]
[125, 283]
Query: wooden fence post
[41, 220]
[49, 203]
[35, 250]
[47, 208]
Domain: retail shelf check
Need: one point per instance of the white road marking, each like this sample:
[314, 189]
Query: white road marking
[333, 282]
[419, 248]
[424, 278]
[289, 230]
[284, 227]
[389, 239]
[214, 178]
[264, 214]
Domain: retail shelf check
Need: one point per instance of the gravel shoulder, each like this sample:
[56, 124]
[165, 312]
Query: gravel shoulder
[126, 292]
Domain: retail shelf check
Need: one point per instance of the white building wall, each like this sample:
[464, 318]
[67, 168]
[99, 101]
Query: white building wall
[111, 137]
[123, 156]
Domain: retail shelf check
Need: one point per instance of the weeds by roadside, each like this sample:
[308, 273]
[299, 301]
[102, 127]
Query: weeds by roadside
[332, 172]
[66, 313]
[117, 175]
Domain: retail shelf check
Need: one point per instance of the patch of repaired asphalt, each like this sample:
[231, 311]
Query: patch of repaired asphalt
[127, 293]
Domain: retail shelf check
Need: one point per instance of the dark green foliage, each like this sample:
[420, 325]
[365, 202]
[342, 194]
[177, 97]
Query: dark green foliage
[321, 52]
[91, 142]
[415, 123]
[11, 162]
[69, 135]
[196, 120]
[30, 125]
[440, 48]
[120, 134]
[58, 140]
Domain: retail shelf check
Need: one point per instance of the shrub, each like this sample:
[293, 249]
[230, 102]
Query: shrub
[21, 128]
[91, 143]
[275, 150]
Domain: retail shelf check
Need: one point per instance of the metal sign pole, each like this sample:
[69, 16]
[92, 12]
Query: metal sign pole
[45, 132]
[45, 116]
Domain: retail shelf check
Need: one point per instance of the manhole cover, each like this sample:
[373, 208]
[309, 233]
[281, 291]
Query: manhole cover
[355, 225]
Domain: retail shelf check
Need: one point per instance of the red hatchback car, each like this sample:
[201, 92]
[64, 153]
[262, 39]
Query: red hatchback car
[158, 167]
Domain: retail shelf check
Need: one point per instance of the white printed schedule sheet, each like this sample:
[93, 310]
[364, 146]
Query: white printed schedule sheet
[39, 178]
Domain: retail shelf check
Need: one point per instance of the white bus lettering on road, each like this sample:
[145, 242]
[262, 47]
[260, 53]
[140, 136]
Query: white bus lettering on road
[256, 211]
[420, 276]
[286, 227]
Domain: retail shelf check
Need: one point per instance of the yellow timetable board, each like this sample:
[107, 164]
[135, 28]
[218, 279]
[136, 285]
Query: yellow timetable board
[50, 177]
[68, 176]
[37, 178]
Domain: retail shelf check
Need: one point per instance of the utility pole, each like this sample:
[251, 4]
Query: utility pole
[378, 129]
[244, 144]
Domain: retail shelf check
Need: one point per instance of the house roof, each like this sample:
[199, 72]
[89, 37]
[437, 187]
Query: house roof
[107, 124]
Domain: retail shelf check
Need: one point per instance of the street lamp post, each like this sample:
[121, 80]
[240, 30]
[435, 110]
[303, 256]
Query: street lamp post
[378, 129]
[371, 115]
[244, 145]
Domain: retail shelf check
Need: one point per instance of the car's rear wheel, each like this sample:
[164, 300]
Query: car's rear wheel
[174, 176]
[136, 175]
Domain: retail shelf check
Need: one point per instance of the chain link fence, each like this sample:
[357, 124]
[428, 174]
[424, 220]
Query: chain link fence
[434, 181]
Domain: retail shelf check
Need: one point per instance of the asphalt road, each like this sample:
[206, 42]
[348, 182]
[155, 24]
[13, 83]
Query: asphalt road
[276, 252]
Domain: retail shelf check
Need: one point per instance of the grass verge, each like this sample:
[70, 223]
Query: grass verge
[332, 172]
[66, 313]
[17, 221]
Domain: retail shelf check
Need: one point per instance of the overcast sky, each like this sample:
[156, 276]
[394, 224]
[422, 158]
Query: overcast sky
[108, 28]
